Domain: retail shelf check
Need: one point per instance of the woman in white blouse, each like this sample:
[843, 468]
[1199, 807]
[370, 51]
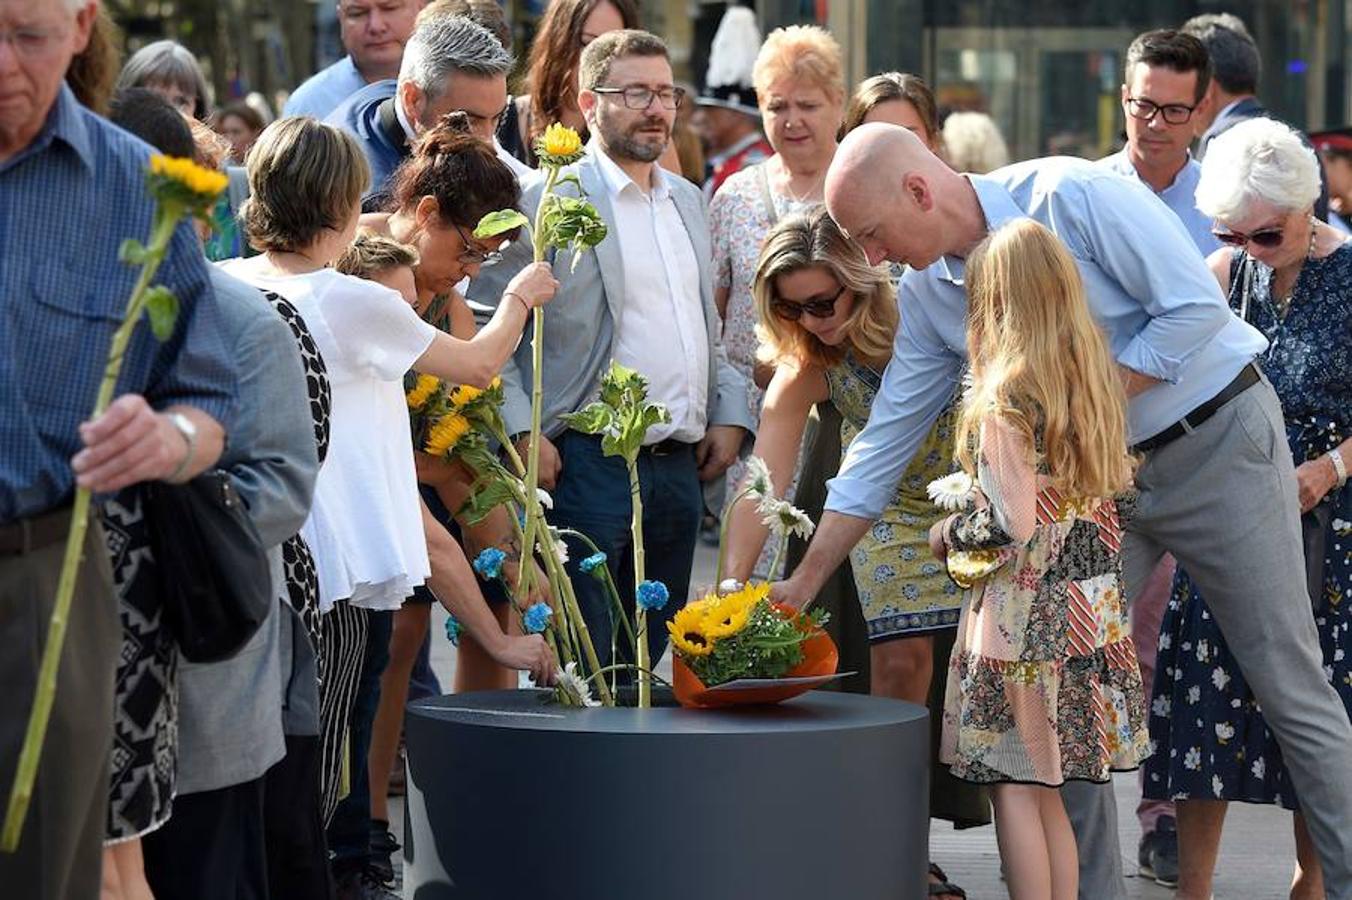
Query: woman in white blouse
[365, 527]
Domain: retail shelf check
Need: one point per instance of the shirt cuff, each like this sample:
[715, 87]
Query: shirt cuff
[857, 497]
[516, 415]
[1139, 356]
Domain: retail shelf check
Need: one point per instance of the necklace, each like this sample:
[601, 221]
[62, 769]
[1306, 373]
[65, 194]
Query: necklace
[808, 196]
[1283, 301]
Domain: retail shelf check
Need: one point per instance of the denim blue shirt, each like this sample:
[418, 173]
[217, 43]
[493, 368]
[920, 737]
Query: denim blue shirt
[66, 203]
[1147, 286]
[322, 92]
[1180, 196]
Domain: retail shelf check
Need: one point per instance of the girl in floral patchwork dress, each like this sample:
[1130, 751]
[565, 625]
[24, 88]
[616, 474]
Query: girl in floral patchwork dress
[1043, 683]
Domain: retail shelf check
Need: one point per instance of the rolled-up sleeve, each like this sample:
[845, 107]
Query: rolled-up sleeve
[1138, 242]
[194, 366]
[916, 386]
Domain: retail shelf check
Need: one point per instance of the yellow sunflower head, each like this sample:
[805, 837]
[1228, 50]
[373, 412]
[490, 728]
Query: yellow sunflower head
[559, 145]
[464, 395]
[184, 181]
[422, 391]
[729, 614]
[446, 434]
[687, 632]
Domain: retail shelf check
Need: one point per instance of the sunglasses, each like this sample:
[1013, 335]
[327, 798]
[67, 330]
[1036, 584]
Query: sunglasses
[818, 309]
[1267, 238]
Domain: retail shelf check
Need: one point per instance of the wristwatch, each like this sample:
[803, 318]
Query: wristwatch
[184, 426]
[1338, 466]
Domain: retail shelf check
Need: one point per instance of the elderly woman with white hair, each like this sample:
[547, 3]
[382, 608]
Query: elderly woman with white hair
[1289, 275]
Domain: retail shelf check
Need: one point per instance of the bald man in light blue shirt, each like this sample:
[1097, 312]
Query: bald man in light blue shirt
[1217, 485]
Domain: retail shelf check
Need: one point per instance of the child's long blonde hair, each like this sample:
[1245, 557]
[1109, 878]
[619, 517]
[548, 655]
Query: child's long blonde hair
[1039, 360]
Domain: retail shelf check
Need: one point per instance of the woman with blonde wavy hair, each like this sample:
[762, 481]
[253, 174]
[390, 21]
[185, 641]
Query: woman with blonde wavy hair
[1043, 684]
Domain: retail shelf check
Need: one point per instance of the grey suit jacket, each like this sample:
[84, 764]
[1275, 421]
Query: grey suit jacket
[581, 323]
[230, 712]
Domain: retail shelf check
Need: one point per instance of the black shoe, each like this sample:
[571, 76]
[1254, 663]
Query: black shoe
[1157, 854]
[383, 848]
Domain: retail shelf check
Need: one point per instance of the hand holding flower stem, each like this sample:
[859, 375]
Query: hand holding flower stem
[180, 188]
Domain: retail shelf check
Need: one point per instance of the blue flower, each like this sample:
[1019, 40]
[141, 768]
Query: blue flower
[652, 594]
[594, 566]
[536, 619]
[453, 630]
[489, 563]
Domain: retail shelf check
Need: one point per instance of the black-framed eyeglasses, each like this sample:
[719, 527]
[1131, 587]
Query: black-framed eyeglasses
[823, 308]
[471, 255]
[642, 98]
[1265, 237]
[1146, 110]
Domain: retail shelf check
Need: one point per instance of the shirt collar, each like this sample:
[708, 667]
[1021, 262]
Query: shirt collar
[65, 122]
[999, 208]
[403, 117]
[617, 180]
[1120, 162]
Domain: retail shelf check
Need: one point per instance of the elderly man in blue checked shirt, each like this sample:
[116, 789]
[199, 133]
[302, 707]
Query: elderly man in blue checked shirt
[1217, 485]
[71, 188]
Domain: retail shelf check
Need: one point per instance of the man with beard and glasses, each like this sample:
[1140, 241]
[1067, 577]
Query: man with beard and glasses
[643, 297]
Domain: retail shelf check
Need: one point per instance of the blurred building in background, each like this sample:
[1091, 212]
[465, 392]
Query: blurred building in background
[1048, 71]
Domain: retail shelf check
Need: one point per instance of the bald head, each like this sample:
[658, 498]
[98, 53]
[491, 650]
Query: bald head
[884, 188]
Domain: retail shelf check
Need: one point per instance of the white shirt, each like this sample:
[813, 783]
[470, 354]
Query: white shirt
[661, 332]
[365, 526]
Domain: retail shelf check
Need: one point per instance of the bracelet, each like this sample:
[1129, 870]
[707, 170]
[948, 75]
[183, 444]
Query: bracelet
[188, 431]
[519, 297]
[1338, 466]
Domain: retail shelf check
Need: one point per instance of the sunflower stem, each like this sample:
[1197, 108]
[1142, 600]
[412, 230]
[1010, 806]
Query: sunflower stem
[640, 614]
[35, 735]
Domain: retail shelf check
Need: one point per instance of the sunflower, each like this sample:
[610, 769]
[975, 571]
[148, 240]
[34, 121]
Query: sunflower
[202, 184]
[729, 614]
[464, 395]
[446, 434]
[422, 391]
[559, 145]
[687, 632]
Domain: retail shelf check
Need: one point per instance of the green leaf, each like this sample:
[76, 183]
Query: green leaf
[486, 495]
[502, 220]
[132, 252]
[594, 418]
[162, 309]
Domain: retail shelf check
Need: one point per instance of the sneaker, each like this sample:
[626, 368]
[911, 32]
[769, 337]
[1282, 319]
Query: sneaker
[383, 848]
[360, 884]
[1157, 854]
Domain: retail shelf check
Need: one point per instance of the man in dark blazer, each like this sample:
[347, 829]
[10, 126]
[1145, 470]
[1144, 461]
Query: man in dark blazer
[1235, 69]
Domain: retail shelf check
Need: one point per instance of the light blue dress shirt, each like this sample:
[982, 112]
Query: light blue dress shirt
[322, 92]
[1180, 196]
[1147, 286]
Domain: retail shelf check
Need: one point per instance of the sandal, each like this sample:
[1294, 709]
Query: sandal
[943, 887]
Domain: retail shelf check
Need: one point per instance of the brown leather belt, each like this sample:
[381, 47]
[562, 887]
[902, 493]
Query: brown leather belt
[27, 535]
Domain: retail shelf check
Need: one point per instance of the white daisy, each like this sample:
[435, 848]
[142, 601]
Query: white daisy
[560, 546]
[783, 518]
[545, 500]
[575, 687]
[952, 492]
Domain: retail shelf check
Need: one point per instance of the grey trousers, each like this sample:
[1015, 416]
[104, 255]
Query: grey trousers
[60, 851]
[1223, 500]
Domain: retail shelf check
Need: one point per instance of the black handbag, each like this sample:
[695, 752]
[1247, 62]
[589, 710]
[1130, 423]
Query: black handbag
[1314, 527]
[212, 567]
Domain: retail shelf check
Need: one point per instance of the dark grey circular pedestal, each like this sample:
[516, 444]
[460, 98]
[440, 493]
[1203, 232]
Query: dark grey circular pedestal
[510, 797]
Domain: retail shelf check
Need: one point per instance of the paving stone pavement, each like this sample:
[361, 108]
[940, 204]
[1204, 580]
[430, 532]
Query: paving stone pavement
[1257, 852]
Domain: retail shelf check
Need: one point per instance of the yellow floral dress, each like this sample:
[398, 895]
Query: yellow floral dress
[1043, 683]
[902, 588]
